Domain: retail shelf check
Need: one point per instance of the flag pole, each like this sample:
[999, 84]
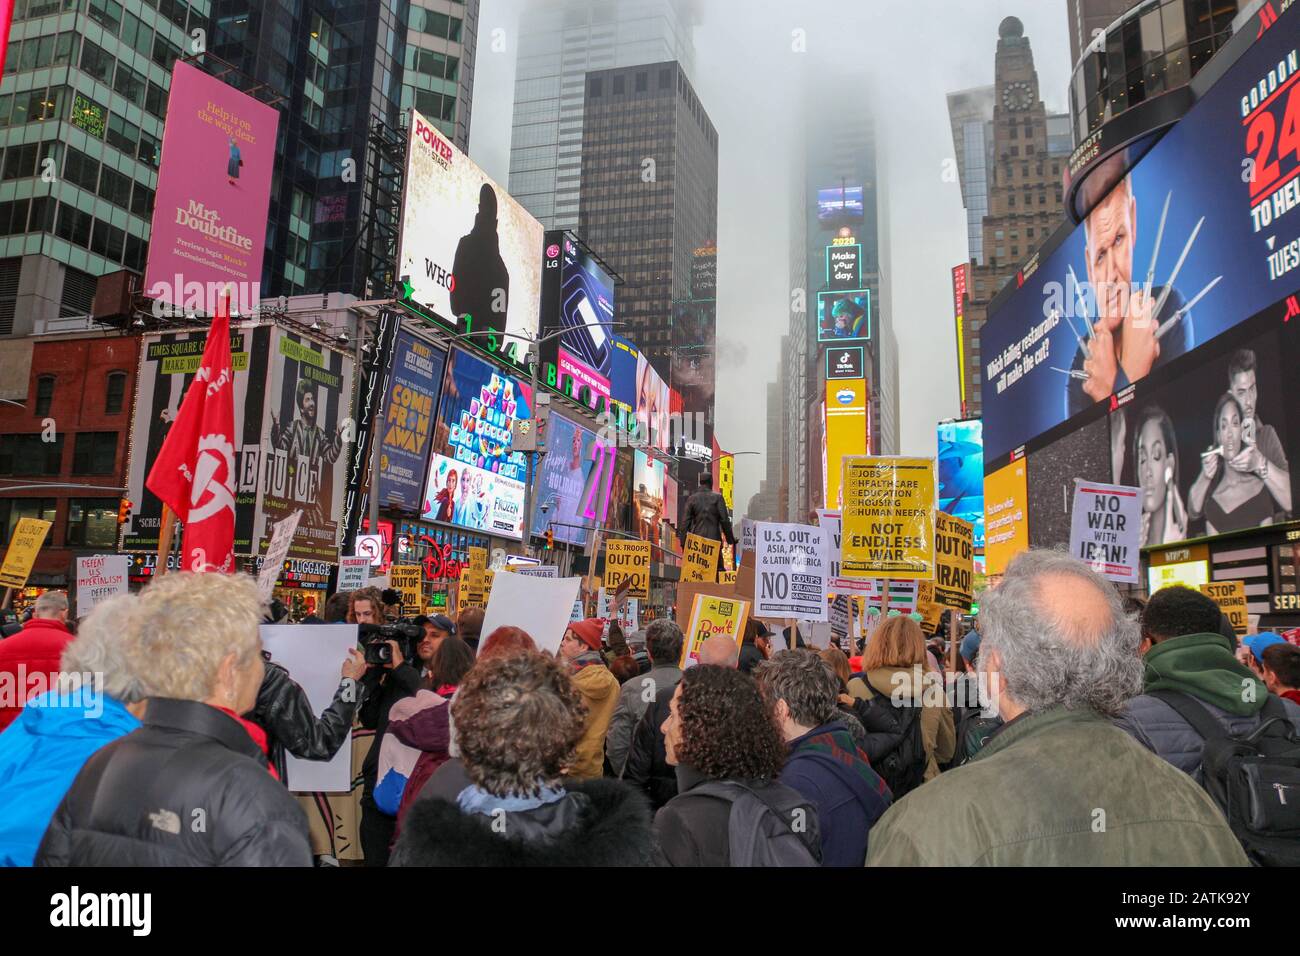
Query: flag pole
[166, 532]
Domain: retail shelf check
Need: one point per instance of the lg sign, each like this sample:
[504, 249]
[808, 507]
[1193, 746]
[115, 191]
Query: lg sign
[433, 139]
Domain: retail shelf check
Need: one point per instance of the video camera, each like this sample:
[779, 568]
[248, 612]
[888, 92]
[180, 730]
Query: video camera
[375, 637]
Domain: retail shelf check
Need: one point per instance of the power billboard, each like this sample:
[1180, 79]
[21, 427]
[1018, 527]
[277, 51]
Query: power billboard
[1197, 237]
[476, 478]
[467, 248]
[961, 473]
[214, 184]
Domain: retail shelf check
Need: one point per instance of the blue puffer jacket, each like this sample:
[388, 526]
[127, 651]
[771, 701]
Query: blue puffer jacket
[40, 754]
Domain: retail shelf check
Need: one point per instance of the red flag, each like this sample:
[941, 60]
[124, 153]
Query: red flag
[194, 473]
[6, 19]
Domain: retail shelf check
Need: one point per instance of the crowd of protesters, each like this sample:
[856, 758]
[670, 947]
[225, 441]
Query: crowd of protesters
[1077, 729]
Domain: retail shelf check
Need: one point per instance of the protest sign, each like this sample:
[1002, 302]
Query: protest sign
[276, 551]
[406, 580]
[791, 571]
[24, 544]
[629, 610]
[930, 610]
[727, 577]
[820, 634]
[710, 615]
[537, 570]
[541, 606]
[354, 572]
[888, 518]
[1231, 598]
[1106, 528]
[700, 558]
[99, 577]
[839, 614]
[473, 588]
[902, 597]
[954, 561]
[578, 612]
[628, 560]
[829, 521]
[746, 543]
[313, 653]
[489, 576]
[478, 558]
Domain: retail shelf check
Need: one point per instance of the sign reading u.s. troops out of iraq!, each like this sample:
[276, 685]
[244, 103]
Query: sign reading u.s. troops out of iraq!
[954, 566]
[628, 561]
[887, 518]
[791, 572]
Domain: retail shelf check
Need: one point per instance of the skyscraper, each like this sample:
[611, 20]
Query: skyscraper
[1089, 17]
[560, 41]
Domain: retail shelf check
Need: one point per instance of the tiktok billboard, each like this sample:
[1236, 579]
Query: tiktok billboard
[1201, 234]
[214, 184]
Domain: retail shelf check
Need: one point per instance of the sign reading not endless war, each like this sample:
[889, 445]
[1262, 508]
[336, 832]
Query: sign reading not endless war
[700, 558]
[628, 561]
[1231, 598]
[954, 567]
[888, 518]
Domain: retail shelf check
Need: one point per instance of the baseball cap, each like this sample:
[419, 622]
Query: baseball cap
[1257, 644]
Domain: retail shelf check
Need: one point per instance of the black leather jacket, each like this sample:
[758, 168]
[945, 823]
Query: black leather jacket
[647, 764]
[707, 516]
[188, 788]
[285, 713]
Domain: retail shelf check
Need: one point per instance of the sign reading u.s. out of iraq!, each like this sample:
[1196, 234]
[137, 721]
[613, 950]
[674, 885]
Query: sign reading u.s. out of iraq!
[954, 566]
[1231, 598]
[1105, 529]
[791, 571]
[887, 518]
[628, 561]
[700, 558]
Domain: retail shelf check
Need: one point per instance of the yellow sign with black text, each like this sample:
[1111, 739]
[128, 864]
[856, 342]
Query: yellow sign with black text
[700, 558]
[954, 567]
[1231, 598]
[24, 544]
[887, 520]
[628, 561]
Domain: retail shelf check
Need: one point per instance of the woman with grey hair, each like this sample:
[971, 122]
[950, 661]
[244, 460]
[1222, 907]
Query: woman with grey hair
[98, 697]
[192, 785]
[1058, 784]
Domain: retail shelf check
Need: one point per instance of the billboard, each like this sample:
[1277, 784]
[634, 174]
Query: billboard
[846, 362]
[307, 425]
[843, 316]
[843, 265]
[214, 184]
[1006, 515]
[839, 203]
[575, 481]
[476, 479]
[845, 432]
[467, 248]
[959, 313]
[409, 411]
[649, 495]
[1195, 239]
[624, 359]
[579, 296]
[694, 364]
[653, 405]
[961, 473]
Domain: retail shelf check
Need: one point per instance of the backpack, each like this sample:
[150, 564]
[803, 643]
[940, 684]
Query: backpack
[895, 744]
[1254, 778]
[761, 830]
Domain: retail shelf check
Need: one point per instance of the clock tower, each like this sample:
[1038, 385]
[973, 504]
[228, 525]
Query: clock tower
[1024, 191]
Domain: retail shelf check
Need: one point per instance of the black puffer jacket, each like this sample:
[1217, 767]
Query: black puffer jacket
[647, 759]
[189, 788]
[285, 713]
[596, 823]
[381, 689]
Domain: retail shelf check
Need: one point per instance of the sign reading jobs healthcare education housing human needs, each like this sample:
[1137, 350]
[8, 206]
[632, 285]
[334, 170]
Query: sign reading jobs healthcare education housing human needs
[628, 561]
[1105, 529]
[791, 571]
[888, 518]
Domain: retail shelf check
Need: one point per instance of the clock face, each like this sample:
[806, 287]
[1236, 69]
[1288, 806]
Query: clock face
[1017, 96]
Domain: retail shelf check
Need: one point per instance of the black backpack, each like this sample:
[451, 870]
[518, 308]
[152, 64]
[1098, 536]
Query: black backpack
[895, 744]
[768, 826]
[1254, 777]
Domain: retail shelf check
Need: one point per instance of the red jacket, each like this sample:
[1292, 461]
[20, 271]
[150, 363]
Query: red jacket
[36, 649]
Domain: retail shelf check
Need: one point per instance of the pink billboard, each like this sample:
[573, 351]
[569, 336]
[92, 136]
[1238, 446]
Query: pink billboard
[214, 184]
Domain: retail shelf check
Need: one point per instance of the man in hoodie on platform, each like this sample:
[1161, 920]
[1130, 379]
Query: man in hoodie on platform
[1184, 651]
[824, 764]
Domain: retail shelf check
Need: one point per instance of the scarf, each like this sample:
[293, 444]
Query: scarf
[258, 735]
[474, 799]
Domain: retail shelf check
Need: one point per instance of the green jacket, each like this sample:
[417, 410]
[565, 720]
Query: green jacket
[1057, 788]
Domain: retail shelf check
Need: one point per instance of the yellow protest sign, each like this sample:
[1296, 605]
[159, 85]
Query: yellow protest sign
[1231, 598]
[405, 579]
[700, 558]
[727, 577]
[712, 615]
[488, 578]
[473, 588]
[628, 560]
[954, 570]
[926, 606]
[24, 545]
[478, 559]
[888, 518]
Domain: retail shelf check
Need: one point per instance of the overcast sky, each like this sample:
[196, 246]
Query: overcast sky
[916, 52]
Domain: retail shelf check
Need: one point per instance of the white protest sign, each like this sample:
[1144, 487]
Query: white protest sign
[819, 634]
[628, 613]
[354, 572]
[276, 552]
[746, 536]
[578, 612]
[829, 521]
[791, 571]
[313, 655]
[839, 614]
[537, 571]
[541, 606]
[1105, 529]
[99, 577]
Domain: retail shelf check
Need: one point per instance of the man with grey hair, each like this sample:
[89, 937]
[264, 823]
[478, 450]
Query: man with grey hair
[1057, 784]
[664, 641]
[29, 661]
[101, 698]
[824, 765]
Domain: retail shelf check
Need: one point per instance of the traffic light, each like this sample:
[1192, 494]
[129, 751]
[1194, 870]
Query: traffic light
[123, 511]
[550, 539]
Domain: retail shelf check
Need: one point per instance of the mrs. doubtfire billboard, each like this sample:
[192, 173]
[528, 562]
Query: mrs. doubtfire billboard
[209, 221]
[467, 247]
